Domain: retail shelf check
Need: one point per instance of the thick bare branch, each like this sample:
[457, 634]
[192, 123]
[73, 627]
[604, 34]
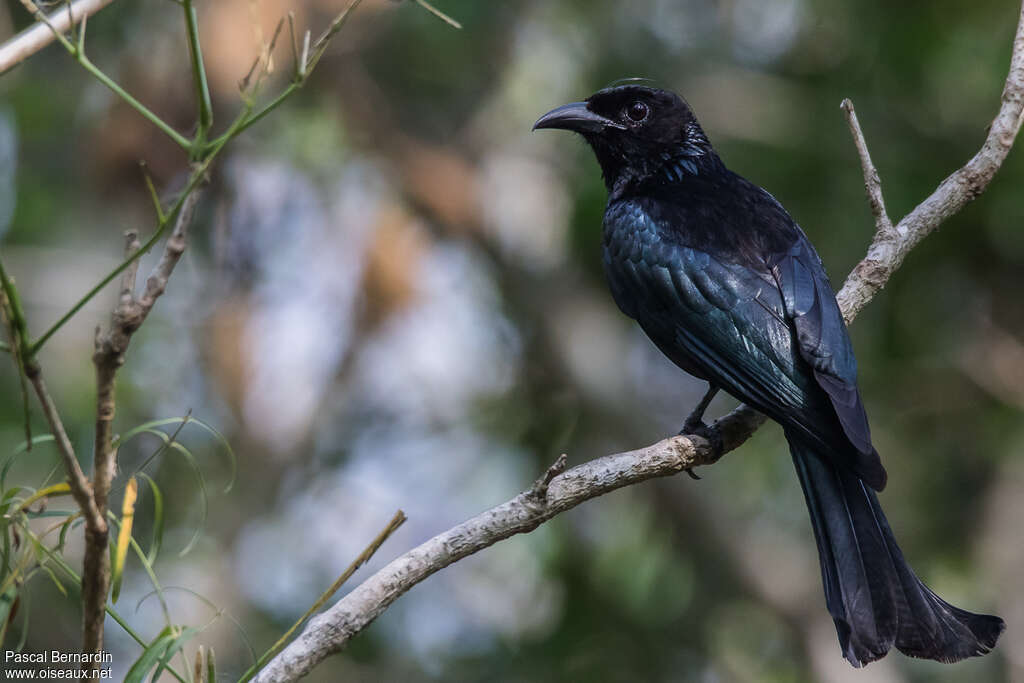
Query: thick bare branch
[331, 631]
[39, 35]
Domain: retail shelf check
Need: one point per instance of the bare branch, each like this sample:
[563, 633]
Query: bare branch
[331, 631]
[96, 529]
[39, 35]
[872, 182]
[81, 490]
[108, 357]
[889, 248]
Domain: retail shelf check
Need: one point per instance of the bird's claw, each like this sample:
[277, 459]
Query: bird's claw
[708, 432]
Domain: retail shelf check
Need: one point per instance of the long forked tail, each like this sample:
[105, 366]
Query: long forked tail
[872, 594]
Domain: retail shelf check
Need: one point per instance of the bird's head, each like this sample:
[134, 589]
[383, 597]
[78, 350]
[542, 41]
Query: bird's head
[638, 134]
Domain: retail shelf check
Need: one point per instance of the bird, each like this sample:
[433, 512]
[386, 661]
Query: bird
[726, 284]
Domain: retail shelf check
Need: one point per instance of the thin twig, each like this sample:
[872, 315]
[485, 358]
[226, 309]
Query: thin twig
[81, 489]
[438, 13]
[363, 558]
[872, 181]
[539, 491]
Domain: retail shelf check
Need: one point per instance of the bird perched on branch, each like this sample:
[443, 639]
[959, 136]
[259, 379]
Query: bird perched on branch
[727, 285]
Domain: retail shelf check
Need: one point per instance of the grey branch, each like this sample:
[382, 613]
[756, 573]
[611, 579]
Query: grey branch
[889, 248]
[872, 181]
[39, 35]
[332, 630]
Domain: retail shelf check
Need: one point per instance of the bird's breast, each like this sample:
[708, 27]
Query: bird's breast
[651, 271]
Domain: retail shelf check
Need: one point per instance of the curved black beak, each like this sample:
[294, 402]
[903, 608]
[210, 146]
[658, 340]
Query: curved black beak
[575, 116]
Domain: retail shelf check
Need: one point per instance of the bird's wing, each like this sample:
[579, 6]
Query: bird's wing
[821, 335]
[771, 337]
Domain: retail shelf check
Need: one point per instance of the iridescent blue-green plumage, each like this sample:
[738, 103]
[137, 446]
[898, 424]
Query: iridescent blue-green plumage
[727, 286]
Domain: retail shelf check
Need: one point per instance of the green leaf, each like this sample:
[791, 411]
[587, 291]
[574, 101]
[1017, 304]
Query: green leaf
[158, 653]
[56, 580]
[185, 636]
[64, 530]
[150, 428]
[219, 611]
[200, 479]
[158, 518]
[9, 494]
[151, 655]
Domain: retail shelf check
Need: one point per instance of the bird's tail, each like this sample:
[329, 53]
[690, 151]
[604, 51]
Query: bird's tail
[872, 594]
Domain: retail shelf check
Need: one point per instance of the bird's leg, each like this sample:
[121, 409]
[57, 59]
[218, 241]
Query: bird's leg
[695, 422]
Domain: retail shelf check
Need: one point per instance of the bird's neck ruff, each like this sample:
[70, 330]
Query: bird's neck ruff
[629, 165]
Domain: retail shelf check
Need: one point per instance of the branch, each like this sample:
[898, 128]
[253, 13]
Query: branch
[555, 493]
[363, 558]
[81, 489]
[872, 181]
[108, 357]
[40, 34]
[890, 247]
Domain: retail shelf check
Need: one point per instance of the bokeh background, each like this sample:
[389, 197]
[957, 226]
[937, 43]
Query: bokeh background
[393, 299]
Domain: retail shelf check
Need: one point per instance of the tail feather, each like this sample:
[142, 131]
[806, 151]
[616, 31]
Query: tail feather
[871, 592]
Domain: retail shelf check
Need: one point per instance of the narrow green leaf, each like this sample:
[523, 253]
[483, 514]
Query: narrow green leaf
[151, 655]
[158, 518]
[61, 489]
[7, 500]
[186, 635]
[63, 537]
[219, 611]
[56, 580]
[48, 513]
[150, 428]
[200, 479]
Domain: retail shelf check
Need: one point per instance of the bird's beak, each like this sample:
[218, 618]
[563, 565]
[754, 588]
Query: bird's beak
[575, 116]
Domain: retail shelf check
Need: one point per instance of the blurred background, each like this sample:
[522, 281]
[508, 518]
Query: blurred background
[393, 299]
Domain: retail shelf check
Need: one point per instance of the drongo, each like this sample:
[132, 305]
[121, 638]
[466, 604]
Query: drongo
[726, 284]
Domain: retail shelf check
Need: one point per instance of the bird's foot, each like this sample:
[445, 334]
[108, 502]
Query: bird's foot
[707, 432]
[695, 420]
[695, 425]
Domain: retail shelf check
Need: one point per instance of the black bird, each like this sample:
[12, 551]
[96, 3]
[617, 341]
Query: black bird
[727, 285]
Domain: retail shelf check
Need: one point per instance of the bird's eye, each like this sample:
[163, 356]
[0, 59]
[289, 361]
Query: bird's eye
[637, 112]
